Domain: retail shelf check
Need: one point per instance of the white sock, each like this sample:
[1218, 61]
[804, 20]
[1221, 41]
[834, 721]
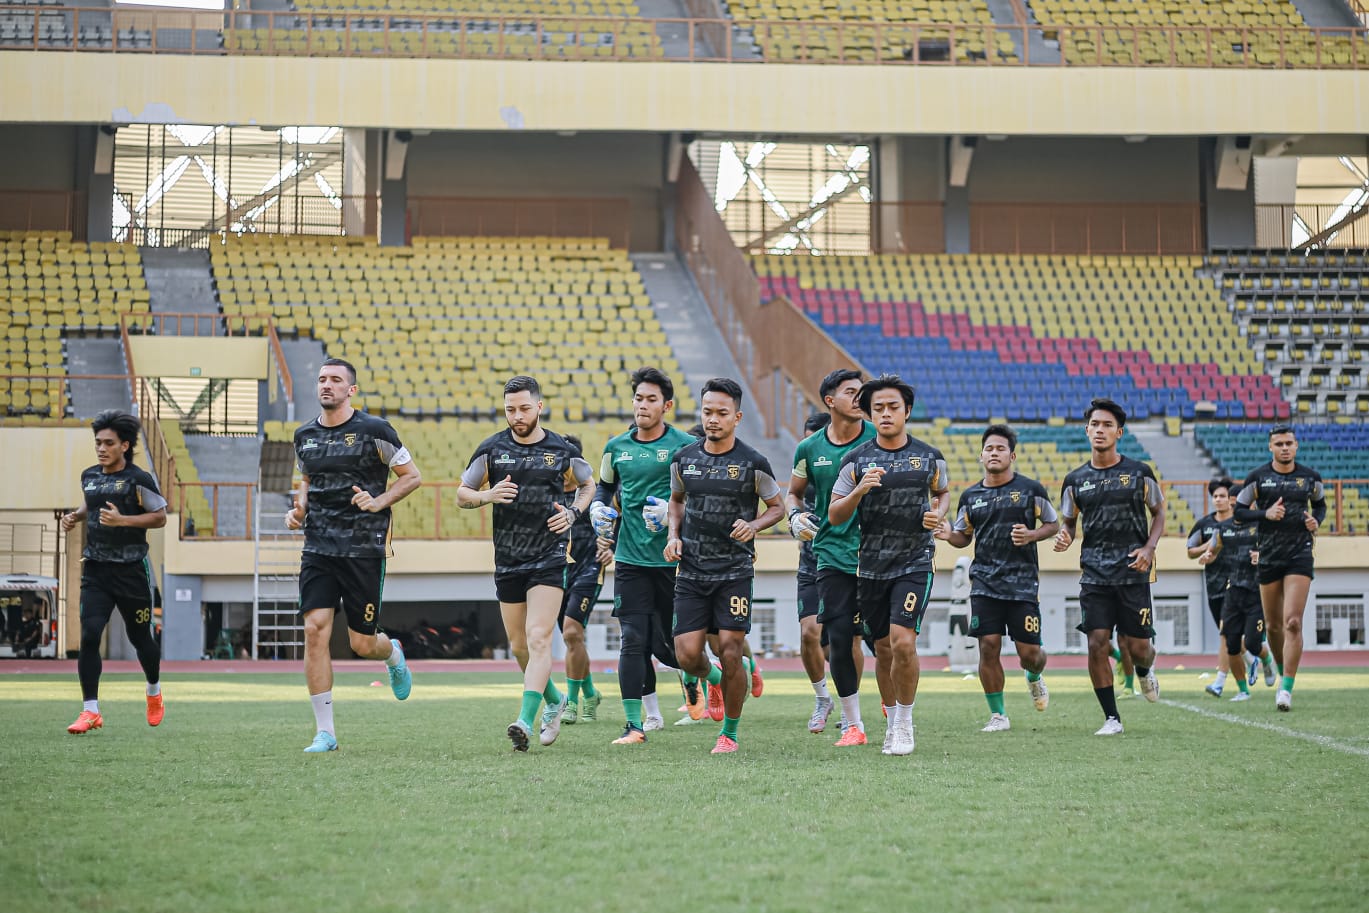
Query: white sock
[820, 689]
[396, 654]
[651, 705]
[1221, 680]
[903, 714]
[154, 689]
[323, 711]
[92, 706]
[850, 708]
[889, 711]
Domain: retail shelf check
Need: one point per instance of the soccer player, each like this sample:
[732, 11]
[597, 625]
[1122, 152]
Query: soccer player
[1242, 613]
[1114, 494]
[635, 474]
[586, 579]
[121, 503]
[897, 486]
[1286, 500]
[831, 609]
[1005, 515]
[714, 488]
[345, 457]
[1201, 545]
[528, 469]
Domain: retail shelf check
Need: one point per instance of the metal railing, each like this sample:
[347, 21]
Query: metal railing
[1275, 225]
[380, 33]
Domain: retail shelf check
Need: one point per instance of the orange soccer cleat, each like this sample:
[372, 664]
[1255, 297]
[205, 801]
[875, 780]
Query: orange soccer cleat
[155, 710]
[725, 745]
[694, 700]
[715, 703]
[86, 722]
[757, 683]
[852, 736]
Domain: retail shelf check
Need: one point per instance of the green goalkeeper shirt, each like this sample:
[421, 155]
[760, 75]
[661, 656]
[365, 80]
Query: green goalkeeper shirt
[632, 471]
[818, 460]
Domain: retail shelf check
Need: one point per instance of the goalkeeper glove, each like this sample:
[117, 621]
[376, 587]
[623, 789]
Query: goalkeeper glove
[602, 518]
[802, 525]
[654, 512]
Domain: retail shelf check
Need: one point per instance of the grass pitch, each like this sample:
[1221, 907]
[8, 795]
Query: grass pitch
[426, 808]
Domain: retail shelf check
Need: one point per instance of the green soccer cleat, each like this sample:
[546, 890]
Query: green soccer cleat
[401, 680]
[589, 713]
[571, 714]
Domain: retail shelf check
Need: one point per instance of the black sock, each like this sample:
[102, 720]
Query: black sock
[1142, 671]
[1108, 701]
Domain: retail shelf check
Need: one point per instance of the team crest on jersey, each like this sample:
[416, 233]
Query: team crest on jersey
[1126, 479]
[1016, 496]
[1302, 483]
[662, 455]
[349, 439]
[915, 462]
[549, 459]
[733, 471]
[119, 485]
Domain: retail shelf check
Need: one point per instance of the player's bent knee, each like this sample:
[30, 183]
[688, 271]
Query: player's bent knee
[1293, 626]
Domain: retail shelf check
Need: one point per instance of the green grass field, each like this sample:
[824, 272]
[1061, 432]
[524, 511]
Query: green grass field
[426, 808]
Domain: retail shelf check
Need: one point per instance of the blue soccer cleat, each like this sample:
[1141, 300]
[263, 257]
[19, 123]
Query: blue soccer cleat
[401, 680]
[324, 741]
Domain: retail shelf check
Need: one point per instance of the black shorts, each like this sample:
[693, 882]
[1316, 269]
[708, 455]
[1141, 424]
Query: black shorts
[901, 601]
[836, 594]
[582, 592]
[1215, 601]
[712, 605]
[127, 586]
[513, 586]
[809, 600]
[1126, 608]
[644, 591]
[354, 585]
[1300, 565]
[1020, 618]
[1242, 619]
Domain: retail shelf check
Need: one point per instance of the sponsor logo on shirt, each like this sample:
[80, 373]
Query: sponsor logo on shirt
[822, 461]
[625, 457]
[691, 470]
[1087, 486]
[505, 460]
[1268, 483]
[310, 444]
[980, 502]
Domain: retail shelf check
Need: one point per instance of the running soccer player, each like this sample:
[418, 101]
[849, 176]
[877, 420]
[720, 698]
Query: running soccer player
[1114, 493]
[831, 609]
[528, 469]
[715, 485]
[897, 486]
[345, 457]
[586, 579]
[1005, 515]
[1242, 613]
[635, 474]
[1202, 539]
[121, 503]
[1286, 500]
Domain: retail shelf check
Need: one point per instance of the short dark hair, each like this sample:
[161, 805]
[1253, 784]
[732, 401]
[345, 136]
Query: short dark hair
[1107, 405]
[697, 430]
[523, 382]
[885, 382]
[816, 422]
[723, 385]
[126, 426]
[836, 379]
[342, 363]
[649, 375]
[574, 443]
[1002, 431]
[1220, 483]
[1282, 428]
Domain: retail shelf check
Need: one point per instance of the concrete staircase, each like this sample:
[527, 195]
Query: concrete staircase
[1037, 50]
[1178, 459]
[179, 282]
[227, 458]
[1328, 14]
[87, 355]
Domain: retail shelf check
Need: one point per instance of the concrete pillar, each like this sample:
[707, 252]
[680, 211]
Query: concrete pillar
[886, 227]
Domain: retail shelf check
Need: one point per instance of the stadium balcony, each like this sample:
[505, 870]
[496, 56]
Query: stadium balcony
[1307, 314]
[1339, 451]
[1031, 338]
[51, 289]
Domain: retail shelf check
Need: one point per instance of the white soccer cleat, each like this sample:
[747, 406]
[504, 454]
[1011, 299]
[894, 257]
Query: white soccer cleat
[653, 724]
[888, 738]
[551, 722]
[1111, 726]
[822, 709]
[1268, 674]
[997, 723]
[903, 740]
[1241, 696]
[1041, 697]
[1150, 687]
[1283, 701]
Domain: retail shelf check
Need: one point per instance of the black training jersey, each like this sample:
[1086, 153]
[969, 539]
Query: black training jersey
[522, 541]
[1116, 504]
[1286, 540]
[719, 489]
[1002, 570]
[583, 545]
[359, 453]
[133, 491]
[1204, 532]
[892, 540]
[1238, 541]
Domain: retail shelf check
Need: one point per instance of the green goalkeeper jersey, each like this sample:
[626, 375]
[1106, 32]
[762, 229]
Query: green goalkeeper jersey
[630, 472]
[818, 460]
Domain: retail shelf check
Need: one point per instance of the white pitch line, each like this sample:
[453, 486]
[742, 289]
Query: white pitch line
[1322, 740]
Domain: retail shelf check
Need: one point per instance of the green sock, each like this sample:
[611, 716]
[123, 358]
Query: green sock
[691, 679]
[1240, 680]
[995, 699]
[750, 664]
[550, 694]
[1130, 683]
[1117, 653]
[1287, 684]
[633, 710]
[730, 727]
[587, 685]
[573, 686]
[715, 676]
[1032, 676]
[531, 701]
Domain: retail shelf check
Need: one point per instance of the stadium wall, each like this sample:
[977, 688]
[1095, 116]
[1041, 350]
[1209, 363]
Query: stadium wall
[1085, 170]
